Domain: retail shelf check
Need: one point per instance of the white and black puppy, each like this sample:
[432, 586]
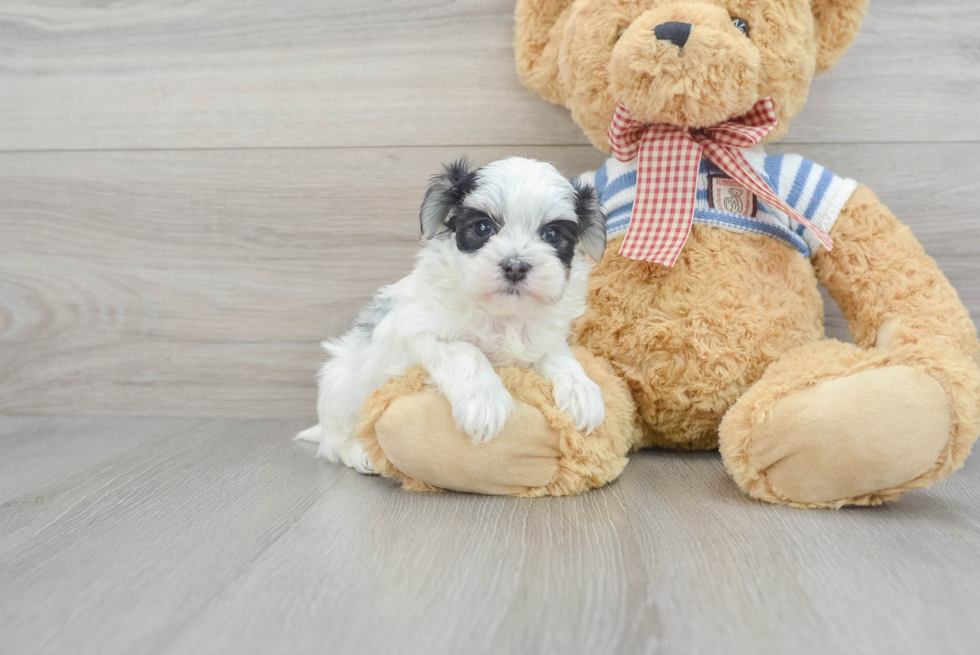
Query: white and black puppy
[501, 276]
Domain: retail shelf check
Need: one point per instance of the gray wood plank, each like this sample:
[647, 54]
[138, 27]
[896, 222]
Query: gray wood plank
[372, 569]
[200, 283]
[912, 99]
[207, 277]
[224, 536]
[453, 573]
[302, 73]
[36, 451]
[115, 556]
[740, 576]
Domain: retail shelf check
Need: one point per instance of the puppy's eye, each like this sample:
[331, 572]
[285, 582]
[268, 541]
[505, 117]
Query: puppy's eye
[484, 229]
[741, 25]
[551, 235]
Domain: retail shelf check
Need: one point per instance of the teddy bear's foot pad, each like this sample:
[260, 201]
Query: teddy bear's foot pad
[523, 456]
[853, 436]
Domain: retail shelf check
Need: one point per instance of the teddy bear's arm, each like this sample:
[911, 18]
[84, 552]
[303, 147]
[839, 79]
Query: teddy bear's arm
[891, 292]
[410, 434]
[832, 424]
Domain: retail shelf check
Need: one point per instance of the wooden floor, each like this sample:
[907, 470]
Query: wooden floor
[142, 535]
[194, 194]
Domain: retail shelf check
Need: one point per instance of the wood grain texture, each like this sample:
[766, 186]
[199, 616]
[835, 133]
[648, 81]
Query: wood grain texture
[115, 556]
[305, 73]
[200, 283]
[222, 536]
[893, 579]
[192, 195]
[36, 451]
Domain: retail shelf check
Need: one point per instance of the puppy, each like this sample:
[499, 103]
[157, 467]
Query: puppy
[500, 277]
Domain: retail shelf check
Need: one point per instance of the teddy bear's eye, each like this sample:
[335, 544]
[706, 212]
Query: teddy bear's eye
[741, 25]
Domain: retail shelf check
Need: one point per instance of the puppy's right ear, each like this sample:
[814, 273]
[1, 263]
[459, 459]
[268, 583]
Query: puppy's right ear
[592, 221]
[446, 192]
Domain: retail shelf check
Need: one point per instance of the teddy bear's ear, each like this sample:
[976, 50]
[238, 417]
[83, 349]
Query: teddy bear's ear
[536, 44]
[836, 23]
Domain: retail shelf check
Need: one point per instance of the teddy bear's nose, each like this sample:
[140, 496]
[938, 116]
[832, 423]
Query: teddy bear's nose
[676, 33]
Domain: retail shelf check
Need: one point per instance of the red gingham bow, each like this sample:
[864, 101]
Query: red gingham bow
[667, 174]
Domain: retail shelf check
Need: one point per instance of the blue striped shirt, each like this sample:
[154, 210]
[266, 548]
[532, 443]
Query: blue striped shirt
[810, 189]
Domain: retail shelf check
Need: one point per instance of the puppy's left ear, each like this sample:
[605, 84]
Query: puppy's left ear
[592, 220]
[446, 192]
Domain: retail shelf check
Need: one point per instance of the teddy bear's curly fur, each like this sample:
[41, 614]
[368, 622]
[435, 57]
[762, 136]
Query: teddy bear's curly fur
[727, 349]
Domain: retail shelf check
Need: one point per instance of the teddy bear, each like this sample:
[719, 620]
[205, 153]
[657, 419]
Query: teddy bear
[704, 325]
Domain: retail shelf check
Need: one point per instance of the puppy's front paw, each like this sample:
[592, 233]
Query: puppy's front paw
[581, 399]
[358, 459]
[346, 451]
[482, 410]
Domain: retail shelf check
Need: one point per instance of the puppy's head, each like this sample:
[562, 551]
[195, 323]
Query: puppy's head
[515, 230]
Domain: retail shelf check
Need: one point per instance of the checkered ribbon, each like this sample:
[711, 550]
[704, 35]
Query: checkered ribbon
[667, 176]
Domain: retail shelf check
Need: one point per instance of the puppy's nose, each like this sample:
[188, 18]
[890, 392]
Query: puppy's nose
[515, 270]
[676, 33]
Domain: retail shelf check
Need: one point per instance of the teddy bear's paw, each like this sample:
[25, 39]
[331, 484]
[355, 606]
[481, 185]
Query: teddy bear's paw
[581, 399]
[858, 439]
[410, 430]
[481, 410]
[862, 434]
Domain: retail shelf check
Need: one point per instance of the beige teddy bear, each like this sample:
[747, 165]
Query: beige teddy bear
[720, 342]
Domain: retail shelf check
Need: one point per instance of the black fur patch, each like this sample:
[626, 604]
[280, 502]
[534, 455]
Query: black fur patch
[568, 235]
[592, 221]
[467, 224]
[444, 195]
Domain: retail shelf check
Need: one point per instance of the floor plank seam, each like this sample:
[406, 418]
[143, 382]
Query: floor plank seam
[525, 146]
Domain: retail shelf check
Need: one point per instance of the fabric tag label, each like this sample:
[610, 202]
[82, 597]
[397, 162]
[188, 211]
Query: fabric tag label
[728, 195]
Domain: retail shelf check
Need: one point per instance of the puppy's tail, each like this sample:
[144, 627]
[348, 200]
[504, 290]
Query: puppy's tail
[314, 434]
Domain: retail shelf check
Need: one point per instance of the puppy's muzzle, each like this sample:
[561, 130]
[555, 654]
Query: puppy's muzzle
[515, 270]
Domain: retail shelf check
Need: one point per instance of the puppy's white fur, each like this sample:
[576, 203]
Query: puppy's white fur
[458, 315]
